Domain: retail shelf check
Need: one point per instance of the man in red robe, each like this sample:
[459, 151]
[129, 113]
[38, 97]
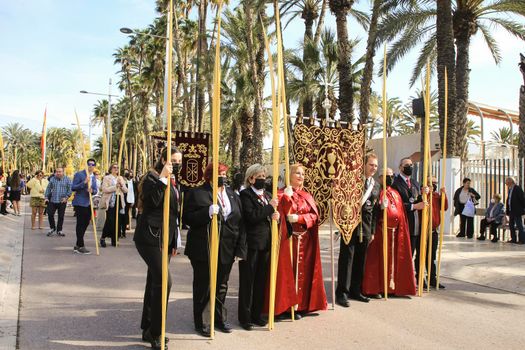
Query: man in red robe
[400, 274]
[299, 275]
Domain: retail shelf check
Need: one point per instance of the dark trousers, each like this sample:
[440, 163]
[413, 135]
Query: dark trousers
[493, 226]
[51, 209]
[515, 221]
[152, 308]
[466, 226]
[252, 285]
[83, 218]
[109, 225]
[201, 291]
[3, 206]
[435, 241]
[351, 266]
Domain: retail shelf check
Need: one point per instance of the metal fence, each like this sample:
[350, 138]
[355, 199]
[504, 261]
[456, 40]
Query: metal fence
[488, 176]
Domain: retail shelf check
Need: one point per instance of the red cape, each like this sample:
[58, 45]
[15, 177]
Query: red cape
[311, 296]
[404, 279]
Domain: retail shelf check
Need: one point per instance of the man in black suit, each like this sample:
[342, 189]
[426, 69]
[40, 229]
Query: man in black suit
[409, 190]
[515, 209]
[351, 262]
[198, 214]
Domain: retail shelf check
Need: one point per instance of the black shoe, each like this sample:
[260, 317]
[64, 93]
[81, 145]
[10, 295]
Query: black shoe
[470, 237]
[342, 300]
[494, 240]
[375, 296]
[146, 336]
[156, 345]
[297, 315]
[434, 283]
[360, 297]
[204, 331]
[225, 327]
[460, 235]
[261, 322]
[512, 241]
[481, 238]
[247, 326]
[103, 243]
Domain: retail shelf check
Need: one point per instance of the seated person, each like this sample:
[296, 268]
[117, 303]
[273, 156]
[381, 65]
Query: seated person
[493, 218]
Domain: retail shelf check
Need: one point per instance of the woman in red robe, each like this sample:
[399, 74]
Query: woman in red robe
[400, 274]
[299, 277]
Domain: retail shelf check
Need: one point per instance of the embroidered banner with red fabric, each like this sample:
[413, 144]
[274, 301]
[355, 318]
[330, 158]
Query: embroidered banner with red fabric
[333, 160]
[194, 148]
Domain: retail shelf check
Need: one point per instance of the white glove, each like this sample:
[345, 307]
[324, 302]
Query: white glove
[385, 203]
[214, 210]
[288, 191]
[292, 218]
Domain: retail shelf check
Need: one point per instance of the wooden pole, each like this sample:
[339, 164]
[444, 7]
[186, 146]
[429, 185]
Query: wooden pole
[166, 208]
[275, 174]
[424, 221]
[385, 161]
[93, 221]
[119, 162]
[215, 126]
[282, 99]
[443, 174]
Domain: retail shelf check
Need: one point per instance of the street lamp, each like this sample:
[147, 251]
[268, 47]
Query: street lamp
[129, 31]
[108, 118]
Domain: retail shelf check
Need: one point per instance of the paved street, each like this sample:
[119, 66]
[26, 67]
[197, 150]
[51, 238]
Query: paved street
[70, 301]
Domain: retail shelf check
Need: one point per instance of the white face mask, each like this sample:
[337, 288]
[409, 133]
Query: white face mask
[492, 200]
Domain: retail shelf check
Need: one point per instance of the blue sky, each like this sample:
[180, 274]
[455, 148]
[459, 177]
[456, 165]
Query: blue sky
[52, 49]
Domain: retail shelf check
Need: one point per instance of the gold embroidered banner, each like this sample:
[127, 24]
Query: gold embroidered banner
[333, 160]
[194, 148]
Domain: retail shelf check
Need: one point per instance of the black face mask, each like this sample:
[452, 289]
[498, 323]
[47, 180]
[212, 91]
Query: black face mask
[407, 170]
[435, 187]
[176, 168]
[389, 180]
[259, 184]
[222, 181]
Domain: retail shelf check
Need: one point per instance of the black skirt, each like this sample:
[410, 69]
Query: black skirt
[14, 196]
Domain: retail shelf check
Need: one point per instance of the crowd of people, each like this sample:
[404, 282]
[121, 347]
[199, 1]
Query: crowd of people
[245, 214]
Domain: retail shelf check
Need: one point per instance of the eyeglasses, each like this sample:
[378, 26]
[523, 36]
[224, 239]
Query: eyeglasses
[91, 164]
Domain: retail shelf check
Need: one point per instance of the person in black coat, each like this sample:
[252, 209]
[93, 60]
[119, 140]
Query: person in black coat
[258, 210]
[410, 192]
[198, 212]
[351, 262]
[461, 196]
[515, 209]
[149, 236]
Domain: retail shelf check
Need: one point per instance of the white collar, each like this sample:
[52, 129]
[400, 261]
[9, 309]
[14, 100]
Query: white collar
[257, 192]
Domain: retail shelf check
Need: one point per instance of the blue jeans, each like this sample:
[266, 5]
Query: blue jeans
[515, 221]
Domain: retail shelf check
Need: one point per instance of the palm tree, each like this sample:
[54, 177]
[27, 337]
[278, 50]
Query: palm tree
[504, 136]
[341, 8]
[409, 25]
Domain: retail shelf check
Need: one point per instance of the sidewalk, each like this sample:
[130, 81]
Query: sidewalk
[11, 243]
[70, 301]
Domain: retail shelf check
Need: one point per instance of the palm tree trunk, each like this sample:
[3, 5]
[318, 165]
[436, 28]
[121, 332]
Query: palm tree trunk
[462, 83]
[446, 58]
[521, 143]
[368, 71]
[340, 9]
[235, 142]
[320, 23]
[201, 49]
[309, 18]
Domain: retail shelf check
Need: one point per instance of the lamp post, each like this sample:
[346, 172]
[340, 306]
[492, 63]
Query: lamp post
[108, 117]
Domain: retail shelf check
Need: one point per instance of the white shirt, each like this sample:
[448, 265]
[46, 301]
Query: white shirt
[130, 198]
[464, 196]
[224, 202]
[260, 194]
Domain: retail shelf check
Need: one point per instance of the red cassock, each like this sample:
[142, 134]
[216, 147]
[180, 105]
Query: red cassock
[305, 260]
[400, 277]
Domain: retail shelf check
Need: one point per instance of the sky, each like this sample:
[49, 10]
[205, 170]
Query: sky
[52, 49]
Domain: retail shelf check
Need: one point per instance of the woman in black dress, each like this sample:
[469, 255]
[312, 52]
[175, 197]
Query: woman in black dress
[198, 211]
[148, 238]
[15, 185]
